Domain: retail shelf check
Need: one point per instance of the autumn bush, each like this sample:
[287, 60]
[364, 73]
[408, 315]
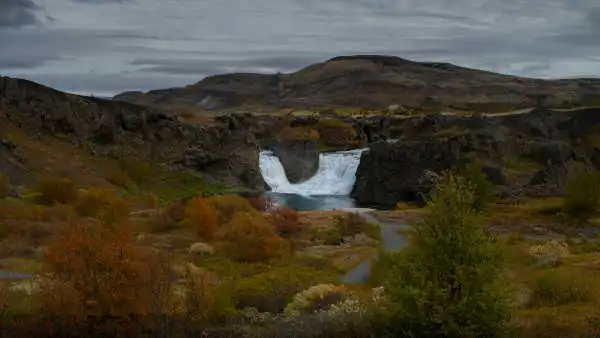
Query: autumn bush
[118, 177]
[202, 216]
[4, 186]
[100, 272]
[298, 133]
[56, 190]
[286, 222]
[336, 133]
[170, 218]
[103, 204]
[251, 238]
[260, 201]
[3, 299]
[228, 205]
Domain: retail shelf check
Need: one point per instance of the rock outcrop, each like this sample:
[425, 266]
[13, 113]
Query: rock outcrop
[374, 82]
[526, 154]
[228, 150]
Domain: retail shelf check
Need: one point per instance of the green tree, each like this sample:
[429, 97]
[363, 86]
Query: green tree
[482, 187]
[582, 189]
[448, 282]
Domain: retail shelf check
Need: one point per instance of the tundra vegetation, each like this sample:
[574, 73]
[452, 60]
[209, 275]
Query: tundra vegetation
[109, 261]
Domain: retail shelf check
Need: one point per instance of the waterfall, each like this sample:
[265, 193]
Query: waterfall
[335, 176]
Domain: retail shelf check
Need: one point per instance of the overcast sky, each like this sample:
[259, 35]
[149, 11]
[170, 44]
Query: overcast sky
[109, 46]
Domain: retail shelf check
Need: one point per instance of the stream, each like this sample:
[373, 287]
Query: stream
[393, 240]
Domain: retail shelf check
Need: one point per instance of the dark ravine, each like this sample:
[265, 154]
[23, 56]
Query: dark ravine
[525, 154]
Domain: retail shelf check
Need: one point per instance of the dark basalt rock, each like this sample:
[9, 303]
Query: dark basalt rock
[227, 151]
[545, 141]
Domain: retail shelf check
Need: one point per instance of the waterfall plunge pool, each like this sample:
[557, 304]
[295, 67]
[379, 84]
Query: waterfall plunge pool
[328, 189]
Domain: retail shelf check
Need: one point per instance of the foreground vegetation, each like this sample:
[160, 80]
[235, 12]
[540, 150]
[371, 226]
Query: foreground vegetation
[108, 262]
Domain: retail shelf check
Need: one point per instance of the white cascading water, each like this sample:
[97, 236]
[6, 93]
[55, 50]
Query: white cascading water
[335, 176]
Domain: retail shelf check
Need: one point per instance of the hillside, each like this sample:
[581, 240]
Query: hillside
[47, 132]
[374, 82]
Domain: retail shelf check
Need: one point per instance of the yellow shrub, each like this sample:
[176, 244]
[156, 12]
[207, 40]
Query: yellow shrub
[563, 286]
[56, 190]
[251, 238]
[550, 253]
[104, 205]
[202, 216]
[318, 297]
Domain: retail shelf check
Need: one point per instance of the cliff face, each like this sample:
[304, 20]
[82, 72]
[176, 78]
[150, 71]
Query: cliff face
[525, 154]
[374, 82]
[227, 150]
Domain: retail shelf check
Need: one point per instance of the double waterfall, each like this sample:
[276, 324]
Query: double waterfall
[335, 176]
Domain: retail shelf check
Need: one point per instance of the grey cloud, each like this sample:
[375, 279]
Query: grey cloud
[215, 66]
[100, 2]
[161, 43]
[18, 13]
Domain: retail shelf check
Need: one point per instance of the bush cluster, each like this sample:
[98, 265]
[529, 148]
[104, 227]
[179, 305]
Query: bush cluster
[582, 188]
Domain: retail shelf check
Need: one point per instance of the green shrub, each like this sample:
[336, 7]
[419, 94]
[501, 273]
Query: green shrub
[139, 171]
[482, 187]
[447, 282]
[582, 201]
[561, 287]
[56, 190]
[352, 224]
[273, 290]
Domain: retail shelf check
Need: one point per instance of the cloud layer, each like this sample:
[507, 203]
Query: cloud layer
[109, 46]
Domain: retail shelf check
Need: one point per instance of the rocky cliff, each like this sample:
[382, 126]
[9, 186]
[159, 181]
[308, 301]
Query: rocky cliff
[524, 154]
[226, 151]
[374, 82]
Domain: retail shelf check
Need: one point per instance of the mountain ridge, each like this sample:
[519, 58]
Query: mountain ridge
[375, 82]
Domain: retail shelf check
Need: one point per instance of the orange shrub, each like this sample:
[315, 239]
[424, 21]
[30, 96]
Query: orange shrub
[336, 133]
[286, 222]
[250, 238]
[3, 298]
[298, 133]
[202, 216]
[118, 177]
[104, 205]
[228, 205]
[101, 272]
[56, 190]
[259, 201]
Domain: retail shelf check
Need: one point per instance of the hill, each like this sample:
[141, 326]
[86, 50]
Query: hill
[374, 82]
[47, 132]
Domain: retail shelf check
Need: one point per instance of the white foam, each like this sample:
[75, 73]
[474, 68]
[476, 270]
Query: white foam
[335, 177]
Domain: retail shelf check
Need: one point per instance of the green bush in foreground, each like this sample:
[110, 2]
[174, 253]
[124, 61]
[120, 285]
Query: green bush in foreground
[582, 201]
[446, 283]
[482, 187]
